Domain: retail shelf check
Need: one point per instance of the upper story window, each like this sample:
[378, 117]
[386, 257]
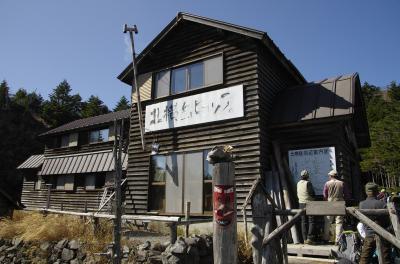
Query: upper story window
[98, 136]
[64, 141]
[189, 77]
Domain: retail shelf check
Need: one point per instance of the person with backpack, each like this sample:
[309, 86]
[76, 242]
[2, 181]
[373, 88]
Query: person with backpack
[369, 245]
[305, 193]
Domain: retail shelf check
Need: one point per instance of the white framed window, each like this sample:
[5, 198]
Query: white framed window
[191, 76]
[180, 177]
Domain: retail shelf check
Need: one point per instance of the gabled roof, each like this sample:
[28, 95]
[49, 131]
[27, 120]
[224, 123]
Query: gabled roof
[323, 100]
[90, 121]
[248, 32]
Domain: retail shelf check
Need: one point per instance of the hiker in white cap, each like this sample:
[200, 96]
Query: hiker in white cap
[305, 193]
[334, 190]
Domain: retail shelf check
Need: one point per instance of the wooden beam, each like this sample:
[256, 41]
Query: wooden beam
[323, 208]
[285, 187]
[283, 228]
[364, 211]
[394, 217]
[377, 228]
[378, 242]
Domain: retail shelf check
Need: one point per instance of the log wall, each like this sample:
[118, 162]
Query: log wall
[189, 41]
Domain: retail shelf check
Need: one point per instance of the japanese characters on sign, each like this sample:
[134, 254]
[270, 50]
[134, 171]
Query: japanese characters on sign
[222, 104]
[317, 161]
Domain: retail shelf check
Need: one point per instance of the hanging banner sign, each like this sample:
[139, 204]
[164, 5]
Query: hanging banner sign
[317, 161]
[223, 204]
[222, 104]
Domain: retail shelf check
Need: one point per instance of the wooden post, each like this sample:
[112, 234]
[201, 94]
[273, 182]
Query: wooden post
[48, 196]
[268, 255]
[285, 188]
[394, 217]
[187, 216]
[259, 215]
[224, 208]
[378, 242]
[283, 228]
[173, 232]
[374, 226]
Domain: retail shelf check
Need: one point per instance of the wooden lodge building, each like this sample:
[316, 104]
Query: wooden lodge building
[77, 166]
[204, 83]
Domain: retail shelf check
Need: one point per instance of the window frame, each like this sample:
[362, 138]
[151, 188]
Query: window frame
[187, 66]
[67, 136]
[157, 184]
[98, 130]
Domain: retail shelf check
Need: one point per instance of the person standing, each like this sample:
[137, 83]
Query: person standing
[369, 244]
[305, 193]
[334, 190]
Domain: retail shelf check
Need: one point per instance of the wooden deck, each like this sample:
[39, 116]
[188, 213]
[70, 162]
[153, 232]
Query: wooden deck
[310, 254]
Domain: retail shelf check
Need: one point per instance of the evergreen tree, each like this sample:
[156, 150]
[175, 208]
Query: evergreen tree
[62, 107]
[122, 104]
[394, 91]
[383, 157]
[369, 92]
[28, 101]
[4, 95]
[93, 107]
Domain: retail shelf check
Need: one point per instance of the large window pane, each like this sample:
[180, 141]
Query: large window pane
[196, 73]
[213, 71]
[178, 80]
[193, 189]
[162, 84]
[99, 135]
[173, 184]
[158, 166]
[60, 182]
[157, 198]
[94, 135]
[103, 135]
[207, 197]
[90, 182]
[64, 141]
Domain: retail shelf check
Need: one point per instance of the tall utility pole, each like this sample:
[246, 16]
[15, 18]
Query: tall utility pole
[118, 144]
[132, 30]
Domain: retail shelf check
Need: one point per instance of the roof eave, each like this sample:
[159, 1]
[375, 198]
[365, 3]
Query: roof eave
[259, 35]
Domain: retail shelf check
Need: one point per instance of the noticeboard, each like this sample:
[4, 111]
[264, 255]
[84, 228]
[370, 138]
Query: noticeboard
[317, 161]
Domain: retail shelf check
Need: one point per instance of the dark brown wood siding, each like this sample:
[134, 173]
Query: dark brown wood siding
[187, 42]
[272, 78]
[71, 201]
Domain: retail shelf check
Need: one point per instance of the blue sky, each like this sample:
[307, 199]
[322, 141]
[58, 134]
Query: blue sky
[44, 42]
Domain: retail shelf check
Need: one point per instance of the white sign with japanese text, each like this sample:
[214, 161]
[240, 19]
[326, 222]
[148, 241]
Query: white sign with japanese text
[222, 104]
[317, 161]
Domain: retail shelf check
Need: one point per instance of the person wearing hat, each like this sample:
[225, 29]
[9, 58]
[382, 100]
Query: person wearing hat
[369, 245]
[334, 190]
[305, 193]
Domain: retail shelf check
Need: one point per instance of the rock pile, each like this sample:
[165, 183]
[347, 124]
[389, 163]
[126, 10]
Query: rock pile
[18, 251]
[193, 250]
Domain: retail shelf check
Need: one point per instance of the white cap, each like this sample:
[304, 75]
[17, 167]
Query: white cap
[332, 173]
[304, 173]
